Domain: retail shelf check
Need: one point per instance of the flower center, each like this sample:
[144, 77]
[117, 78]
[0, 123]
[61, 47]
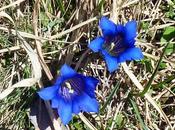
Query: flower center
[69, 87]
[72, 87]
[115, 47]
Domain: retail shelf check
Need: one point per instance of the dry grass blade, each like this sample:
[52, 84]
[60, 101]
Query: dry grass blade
[147, 96]
[136, 82]
[33, 57]
[162, 26]
[29, 35]
[42, 35]
[130, 3]
[56, 123]
[4, 14]
[23, 83]
[38, 42]
[14, 48]
[157, 58]
[36, 70]
[77, 26]
[86, 121]
[12, 4]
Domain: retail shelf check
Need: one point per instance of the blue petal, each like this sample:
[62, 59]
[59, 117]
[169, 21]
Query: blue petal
[130, 54]
[120, 29]
[96, 44]
[48, 93]
[130, 32]
[65, 110]
[90, 85]
[59, 80]
[111, 61]
[87, 103]
[55, 102]
[75, 106]
[108, 27]
[67, 71]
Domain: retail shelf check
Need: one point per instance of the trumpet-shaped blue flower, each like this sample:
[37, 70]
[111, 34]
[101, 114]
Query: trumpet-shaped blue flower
[117, 43]
[71, 93]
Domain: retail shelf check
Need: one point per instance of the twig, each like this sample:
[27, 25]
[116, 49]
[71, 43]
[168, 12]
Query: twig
[14, 48]
[87, 122]
[12, 4]
[56, 123]
[147, 96]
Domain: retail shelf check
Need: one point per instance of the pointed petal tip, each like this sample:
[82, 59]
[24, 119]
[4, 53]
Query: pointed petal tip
[65, 111]
[90, 85]
[111, 62]
[96, 44]
[67, 71]
[109, 28]
[87, 104]
[48, 93]
[130, 31]
[131, 54]
[55, 102]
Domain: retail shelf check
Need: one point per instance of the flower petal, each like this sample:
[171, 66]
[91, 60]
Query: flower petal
[108, 27]
[87, 103]
[65, 110]
[130, 32]
[59, 80]
[130, 54]
[55, 102]
[111, 61]
[90, 85]
[96, 44]
[120, 29]
[75, 106]
[67, 71]
[48, 93]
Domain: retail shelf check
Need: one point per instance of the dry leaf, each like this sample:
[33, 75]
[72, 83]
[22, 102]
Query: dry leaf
[36, 70]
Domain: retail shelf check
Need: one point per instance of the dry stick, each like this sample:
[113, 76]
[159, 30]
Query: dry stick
[14, 48]
[119, 108]
[82, 117]
[157, 58]
[137, 83]
[38, 43]
[31, 36]
[56, 124]
[147, 96]
[81, 59]
[12, 4]
[77, 26]
[89, 124]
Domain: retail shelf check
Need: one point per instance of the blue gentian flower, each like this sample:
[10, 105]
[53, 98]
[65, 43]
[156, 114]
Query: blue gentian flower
[117, 44]
[71, 93]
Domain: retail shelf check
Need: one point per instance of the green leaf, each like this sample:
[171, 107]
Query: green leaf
[44, 19]
[170, 49]
[168, 34]
[115, 89]
[148, 85]
[61, 5]
[148, 65]
[120, 120]
[162, 65]
[136, 110]
[144, 25]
